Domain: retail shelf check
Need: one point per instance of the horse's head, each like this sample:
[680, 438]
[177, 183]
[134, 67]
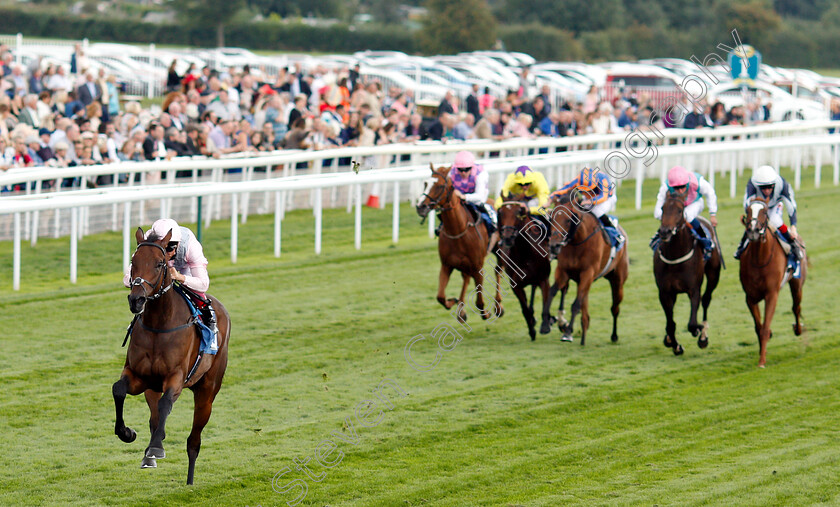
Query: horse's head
[565, 218]
[673, 218]
[512, 215]
[149, 269]
[437, 191]
[755, 221]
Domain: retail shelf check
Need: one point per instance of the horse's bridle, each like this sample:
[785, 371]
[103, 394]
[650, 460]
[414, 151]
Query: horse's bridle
[682, 223]
[570, 234]
[139, 282]
[435, 203]
[754, 220]
[516, 229]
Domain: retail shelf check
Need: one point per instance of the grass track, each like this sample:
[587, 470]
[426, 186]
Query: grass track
[499, 421]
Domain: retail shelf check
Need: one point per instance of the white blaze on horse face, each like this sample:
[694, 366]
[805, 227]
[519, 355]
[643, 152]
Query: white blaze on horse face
[427, 185]
[755, 208]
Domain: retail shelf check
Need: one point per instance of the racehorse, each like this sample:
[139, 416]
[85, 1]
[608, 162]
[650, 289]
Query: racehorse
[462, 244]
[583, 255]
[525, 253]
[679, 268]
[764, 272]
[164, 351]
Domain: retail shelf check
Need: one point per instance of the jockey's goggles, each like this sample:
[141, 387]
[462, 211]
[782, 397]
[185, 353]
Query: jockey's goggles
[465, 169]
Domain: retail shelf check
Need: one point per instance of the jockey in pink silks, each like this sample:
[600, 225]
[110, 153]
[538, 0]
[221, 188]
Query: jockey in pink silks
[187, 265]
[694, 187]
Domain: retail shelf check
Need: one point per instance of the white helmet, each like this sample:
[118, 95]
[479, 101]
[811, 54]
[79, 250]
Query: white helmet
[764, 175]
[162, 227]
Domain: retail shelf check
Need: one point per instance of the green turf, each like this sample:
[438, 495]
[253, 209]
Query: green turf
[499, 420]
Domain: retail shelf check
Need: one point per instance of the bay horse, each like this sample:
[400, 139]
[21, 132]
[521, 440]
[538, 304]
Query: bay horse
[163, 349]
[583, 255]
[525, 258]
[462, 244]
[679, 268]
[764, 272]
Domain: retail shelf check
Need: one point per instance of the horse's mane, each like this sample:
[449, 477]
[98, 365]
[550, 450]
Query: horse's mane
[153, 236]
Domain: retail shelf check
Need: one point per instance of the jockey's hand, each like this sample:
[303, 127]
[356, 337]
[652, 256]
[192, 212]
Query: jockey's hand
[175, 275]
[459, 195]
[793, 233]
[713, 220]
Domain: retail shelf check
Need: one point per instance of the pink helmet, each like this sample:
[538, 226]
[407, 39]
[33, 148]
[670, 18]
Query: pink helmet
[677, 176]
[162, 227]
[464, 159]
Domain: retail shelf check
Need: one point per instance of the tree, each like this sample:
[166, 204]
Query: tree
[451, 27]
[577, 16]
[293, 8]
[209, 13]
[755, 23]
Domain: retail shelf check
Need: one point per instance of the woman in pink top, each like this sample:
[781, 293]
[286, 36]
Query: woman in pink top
[187, 265]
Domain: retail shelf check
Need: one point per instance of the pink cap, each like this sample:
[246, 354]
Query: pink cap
[162, 227]
[464, 159]
[677, 176]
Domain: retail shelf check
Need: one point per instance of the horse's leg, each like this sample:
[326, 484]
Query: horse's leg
[204, 397]
[561, 282]
[152, 399]
[796, 295]
[127, 384]
[519, 290]
[479, 294]
[462, 313]
[667, 300]
[500, 310]
[766, 333]
[617, 286]
[171, 390]
[694, 298]
[443, 281]
[712, 279]
[545, 326]
[582, 301]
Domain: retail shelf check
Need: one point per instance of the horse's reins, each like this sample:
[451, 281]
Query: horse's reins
[690, 252]
[436, 205]
[516, 230]
[763, 235]
[138, 282]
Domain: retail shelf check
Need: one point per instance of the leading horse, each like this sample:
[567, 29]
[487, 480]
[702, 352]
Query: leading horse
[764, 272]
[583, 255]
[679, 268]
[163, 353]
[462, 244]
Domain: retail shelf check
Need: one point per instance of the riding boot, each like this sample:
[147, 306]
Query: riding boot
[795, 251]
[612, 231]
[209, 315]
[742, 245]
[704, 241]
[494, 239]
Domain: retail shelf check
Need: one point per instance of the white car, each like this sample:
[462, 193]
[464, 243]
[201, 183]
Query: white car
[784, 105]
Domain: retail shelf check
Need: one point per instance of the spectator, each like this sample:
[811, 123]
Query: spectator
[173, 142]
[297, 137]
[173, 80]
[221, 137]
[89, 91]
[73, 106]
[463, 130]
[473, 102]
[442, 128]
[59, 81]
[153, 146]
[29, 113]
[415, 130]
[447, 105]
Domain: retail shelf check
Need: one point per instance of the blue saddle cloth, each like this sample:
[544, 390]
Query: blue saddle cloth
[613, 233]
[483, 215]
[206, 332]
[794, 263]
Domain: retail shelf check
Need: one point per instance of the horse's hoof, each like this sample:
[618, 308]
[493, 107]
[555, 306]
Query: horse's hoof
[127, 435]
[761, 366]
[148, 463]
[501, 311]
[155, 453]
[678, 350]
[702, 342]
[797, 329]
[533, 333]
[566, 338]
[545, 327]
[614, 338]
[667, 342]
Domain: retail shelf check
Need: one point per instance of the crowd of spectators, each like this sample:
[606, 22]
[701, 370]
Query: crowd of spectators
[57, 118]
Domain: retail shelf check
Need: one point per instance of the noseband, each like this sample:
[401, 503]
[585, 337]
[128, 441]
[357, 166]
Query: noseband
[514, 229]
[142, 283]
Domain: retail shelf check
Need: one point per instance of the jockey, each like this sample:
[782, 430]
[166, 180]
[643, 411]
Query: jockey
[768, 184]
[598, 192]
[531, 183]
[187, 265]
[694, 187]
[471, 184]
